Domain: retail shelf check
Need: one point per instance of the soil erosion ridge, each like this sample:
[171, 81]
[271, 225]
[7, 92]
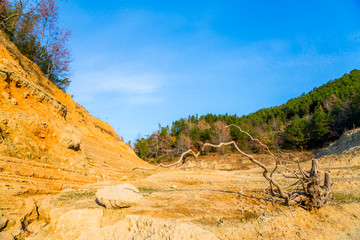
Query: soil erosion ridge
[47, 141]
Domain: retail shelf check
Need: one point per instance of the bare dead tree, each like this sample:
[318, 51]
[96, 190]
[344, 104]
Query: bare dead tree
[25, 8]
[311, 193]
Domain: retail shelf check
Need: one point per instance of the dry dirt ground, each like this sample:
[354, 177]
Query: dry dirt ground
[229, 204]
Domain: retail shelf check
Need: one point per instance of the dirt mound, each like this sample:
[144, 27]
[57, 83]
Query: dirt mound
[345, 151]
[47, 141]
[348, 142]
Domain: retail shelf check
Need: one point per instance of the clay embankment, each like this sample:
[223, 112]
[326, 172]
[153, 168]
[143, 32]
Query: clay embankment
[344, 151]
[47, 141]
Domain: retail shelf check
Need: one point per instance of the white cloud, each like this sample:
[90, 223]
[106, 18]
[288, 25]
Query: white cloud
[117, 86]
[143, 83]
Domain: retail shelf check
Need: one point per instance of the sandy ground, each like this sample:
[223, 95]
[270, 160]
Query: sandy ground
[230, 204]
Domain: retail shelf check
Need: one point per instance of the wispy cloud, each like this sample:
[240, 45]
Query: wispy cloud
[142, 83]
[133, 88]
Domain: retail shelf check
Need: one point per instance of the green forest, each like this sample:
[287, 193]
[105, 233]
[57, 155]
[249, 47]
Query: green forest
[308, 122]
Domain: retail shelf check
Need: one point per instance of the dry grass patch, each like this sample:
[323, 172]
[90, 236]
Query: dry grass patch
[77, 195]
[342, 197]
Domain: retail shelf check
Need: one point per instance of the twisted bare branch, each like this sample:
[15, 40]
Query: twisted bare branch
[313, 194]
[190, 151]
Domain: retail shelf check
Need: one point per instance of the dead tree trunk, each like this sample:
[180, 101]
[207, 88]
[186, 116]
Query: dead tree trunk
[312, 194]
[319, 195]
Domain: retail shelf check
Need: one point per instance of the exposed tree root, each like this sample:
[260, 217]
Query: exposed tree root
[313, 195]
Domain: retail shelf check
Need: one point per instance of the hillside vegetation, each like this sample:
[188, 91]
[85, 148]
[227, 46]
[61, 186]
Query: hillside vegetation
[33, 26]
[310, 121]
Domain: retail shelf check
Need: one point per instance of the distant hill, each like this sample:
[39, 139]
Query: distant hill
[309, 121]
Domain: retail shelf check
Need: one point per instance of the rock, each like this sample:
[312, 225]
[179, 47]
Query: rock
[118, 196]
[6, 95]
[71, 141]
[26, 94]
[80, 224]
[141, 227]
[45, 208]
[40, 96]
[3, 222]
[3, 76]
[74, 224]
[14, 101]
[89, 224]
[3, 118]
[32, 212]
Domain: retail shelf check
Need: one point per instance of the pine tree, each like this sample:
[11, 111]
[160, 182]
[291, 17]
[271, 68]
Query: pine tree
[320, 124]
[297, 133]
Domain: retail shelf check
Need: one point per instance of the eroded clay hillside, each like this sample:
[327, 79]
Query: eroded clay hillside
[47, 141]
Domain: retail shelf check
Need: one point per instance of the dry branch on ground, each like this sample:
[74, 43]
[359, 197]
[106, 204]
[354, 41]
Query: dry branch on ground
[311, 194]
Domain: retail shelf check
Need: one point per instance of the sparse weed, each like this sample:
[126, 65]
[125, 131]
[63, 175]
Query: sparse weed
[341, 197]
[149, 189]
[77, 195]
[250, 216]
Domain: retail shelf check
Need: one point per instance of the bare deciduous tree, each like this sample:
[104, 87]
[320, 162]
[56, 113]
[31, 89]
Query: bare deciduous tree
[24, 8]
[221, 133]
[33, 26]
[310, 194]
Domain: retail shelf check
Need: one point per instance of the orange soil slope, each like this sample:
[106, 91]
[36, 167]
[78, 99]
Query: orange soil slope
[47, 141]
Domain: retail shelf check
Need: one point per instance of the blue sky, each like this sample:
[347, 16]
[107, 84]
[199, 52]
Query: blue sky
[140, 63]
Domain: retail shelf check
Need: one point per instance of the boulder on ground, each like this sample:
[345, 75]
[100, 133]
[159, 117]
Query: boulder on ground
[71, 141]
[118, 196]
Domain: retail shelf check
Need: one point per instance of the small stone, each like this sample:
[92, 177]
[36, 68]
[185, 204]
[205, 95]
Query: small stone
[14, 101]
[40, 97]
[173, 187]
[118, 196]
[3, 222]
[71, 141]
[26, 95]
[19, 83]
[3, 118]
[3, 76]
[6, 95]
